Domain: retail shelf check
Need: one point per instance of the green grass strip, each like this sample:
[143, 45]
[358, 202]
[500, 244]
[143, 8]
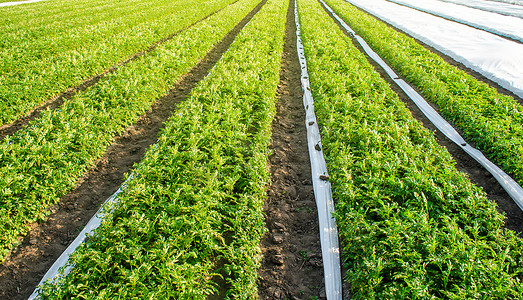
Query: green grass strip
[38, 63]
[492, 121]
[42, 162]
[189, 224]
[411, 225]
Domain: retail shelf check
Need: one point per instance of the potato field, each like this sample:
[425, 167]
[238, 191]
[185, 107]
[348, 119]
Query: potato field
[191, 117]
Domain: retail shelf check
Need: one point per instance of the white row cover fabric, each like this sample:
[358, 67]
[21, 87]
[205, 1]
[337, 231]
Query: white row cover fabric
[496, 58]
[18, 2]
[514, 8]
[510, 185]
[502, 25]
[516, 2]
[107, 207]
[330, 250]
[95, 222]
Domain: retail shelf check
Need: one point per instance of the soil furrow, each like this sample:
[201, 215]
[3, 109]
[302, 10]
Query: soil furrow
[27, 263]
[464, 163]
[13, 127]
[292, 265]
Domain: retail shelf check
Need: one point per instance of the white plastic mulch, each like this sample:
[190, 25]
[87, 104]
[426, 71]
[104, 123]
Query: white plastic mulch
[517, 2]
[18, 2]
[496, 58]
[506, 7]
[507, 26]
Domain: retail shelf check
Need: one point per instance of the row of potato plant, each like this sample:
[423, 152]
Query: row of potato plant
[51, 14]
[43, 161]
[411, 226]
[39, 62]
[189, 222]
[492, 121]
[42, 15]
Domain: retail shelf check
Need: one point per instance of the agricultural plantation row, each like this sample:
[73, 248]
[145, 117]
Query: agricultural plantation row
[493, 122]
[41, 55]
[41, 162]
[191, 217]
[411, 225]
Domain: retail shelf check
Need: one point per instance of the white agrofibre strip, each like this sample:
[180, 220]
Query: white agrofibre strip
[506, 26]
[516, 2]
[496, 58]
[59, 267]
[330, 250]
[510, 185]
[508, 7]
[18, 2]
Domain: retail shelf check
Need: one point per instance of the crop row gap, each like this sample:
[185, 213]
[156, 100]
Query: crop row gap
[477, 174]
[76, 208]
[51, 104]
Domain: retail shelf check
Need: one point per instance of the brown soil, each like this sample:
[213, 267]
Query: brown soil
[28, 262]
[464, 163]
[13, 127]
[292, 265]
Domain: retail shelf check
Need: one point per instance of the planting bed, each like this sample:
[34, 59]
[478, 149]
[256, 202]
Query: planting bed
[491, 121]
[54, 55]
[202, 103]
[46, 158]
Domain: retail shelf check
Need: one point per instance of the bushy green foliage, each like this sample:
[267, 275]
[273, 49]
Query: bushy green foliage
[50, 46]
[492, 121]
[42, 162]
[411, 225]
[190, 221]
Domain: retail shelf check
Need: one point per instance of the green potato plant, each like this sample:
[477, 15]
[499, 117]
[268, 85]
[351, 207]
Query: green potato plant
[188, 224]
[411, 226]
[43, 161]
[492, 121]
[50, 46]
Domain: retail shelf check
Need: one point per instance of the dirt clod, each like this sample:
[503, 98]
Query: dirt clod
[290, 208]
[464, 162]
[278, 259]
[277, 239]
[27, 263]
[279, 227]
